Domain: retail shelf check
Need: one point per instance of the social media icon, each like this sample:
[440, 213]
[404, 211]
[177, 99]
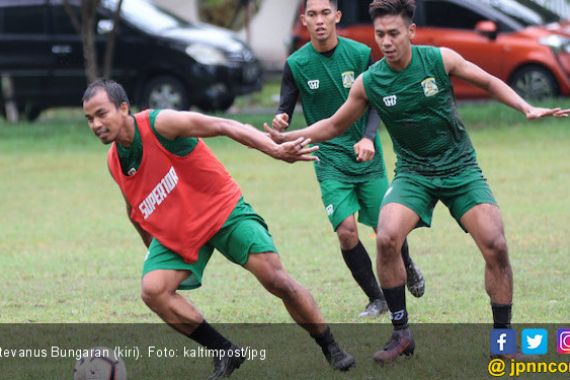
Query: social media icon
[503, 341]
[534, 341]
[563, 344]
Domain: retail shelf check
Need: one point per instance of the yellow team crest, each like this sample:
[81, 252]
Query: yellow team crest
[347, 79]
[430, 87]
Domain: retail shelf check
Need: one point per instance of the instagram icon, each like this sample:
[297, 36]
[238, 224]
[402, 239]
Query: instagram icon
[563, 345]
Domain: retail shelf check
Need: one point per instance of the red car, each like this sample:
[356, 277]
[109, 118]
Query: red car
[518, 41]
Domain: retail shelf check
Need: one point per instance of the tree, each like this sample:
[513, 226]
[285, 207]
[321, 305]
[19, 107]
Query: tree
[84, 25]
[231, 14]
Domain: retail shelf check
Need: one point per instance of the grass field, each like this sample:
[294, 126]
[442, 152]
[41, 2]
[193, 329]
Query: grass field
[69, 254]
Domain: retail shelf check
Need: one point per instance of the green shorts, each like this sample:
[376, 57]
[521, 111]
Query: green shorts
[244, 233]
[460, 193]
[343, 199]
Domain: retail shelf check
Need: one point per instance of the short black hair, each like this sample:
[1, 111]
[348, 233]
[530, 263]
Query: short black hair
[404, 8]
[333, 2]
[114, 90]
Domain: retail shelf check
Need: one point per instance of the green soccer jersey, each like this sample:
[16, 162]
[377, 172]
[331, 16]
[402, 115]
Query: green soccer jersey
[324, 83]
[417, 105]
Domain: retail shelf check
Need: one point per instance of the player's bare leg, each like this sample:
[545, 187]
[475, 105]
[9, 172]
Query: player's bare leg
[269, 270]
[158, 291]
[485, 225]
[395, 223]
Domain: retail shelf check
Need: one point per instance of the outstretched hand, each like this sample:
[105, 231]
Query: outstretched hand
[536, 112]
[297, 150]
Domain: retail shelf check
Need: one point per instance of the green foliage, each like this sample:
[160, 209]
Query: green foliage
[226, 13]
[69, 254]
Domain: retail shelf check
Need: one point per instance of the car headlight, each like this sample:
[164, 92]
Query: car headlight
[206, 55]
[556, 43]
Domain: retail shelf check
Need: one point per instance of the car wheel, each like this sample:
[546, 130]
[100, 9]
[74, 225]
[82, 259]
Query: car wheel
[31, 113]
[222, 104]
[226, 103]
[165, 92]
[534, 82]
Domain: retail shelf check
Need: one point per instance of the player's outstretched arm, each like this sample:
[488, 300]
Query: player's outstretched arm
[173, 124]
[457, 66]
[335, 125]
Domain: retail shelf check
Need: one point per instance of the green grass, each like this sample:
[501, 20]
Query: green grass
[69, 254]
[268, 97]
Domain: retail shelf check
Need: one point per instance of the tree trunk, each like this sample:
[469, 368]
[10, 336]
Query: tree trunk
[8, 94]
[72, 16]
[88, 11]
[111, 38]
[248, 14]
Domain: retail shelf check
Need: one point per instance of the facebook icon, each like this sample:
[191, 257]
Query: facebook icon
[503, 341]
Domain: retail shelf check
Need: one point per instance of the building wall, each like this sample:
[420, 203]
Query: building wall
[271, 29]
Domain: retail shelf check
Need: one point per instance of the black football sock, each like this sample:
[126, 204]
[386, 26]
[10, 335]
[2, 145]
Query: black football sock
[358, 261]
[325, 339]
[406, 253]
[396, 299]
[501, 315]
[209, 337]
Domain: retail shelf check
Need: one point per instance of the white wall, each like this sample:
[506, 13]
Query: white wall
[270, 31]
[270, 28]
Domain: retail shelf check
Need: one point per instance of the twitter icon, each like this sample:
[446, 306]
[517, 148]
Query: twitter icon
[534, 341]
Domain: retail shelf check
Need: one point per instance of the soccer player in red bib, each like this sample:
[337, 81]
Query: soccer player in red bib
[184, 204]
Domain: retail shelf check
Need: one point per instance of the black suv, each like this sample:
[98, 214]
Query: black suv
[161, 60]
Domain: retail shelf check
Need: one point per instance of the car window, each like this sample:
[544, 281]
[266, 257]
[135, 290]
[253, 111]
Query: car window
[146, 15]
[523, 12]
[444, 14]
[548, 14]
[23, 20]
[62, 21]
[63, 25]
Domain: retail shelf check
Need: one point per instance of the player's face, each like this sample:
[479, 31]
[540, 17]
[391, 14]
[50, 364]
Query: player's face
[104, 118]
[320, 19]
[394, 38]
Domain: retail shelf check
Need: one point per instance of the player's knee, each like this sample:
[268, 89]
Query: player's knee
[386, 244]
[153, 292]
[498, 251]
[280, 284]
[347, 236]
